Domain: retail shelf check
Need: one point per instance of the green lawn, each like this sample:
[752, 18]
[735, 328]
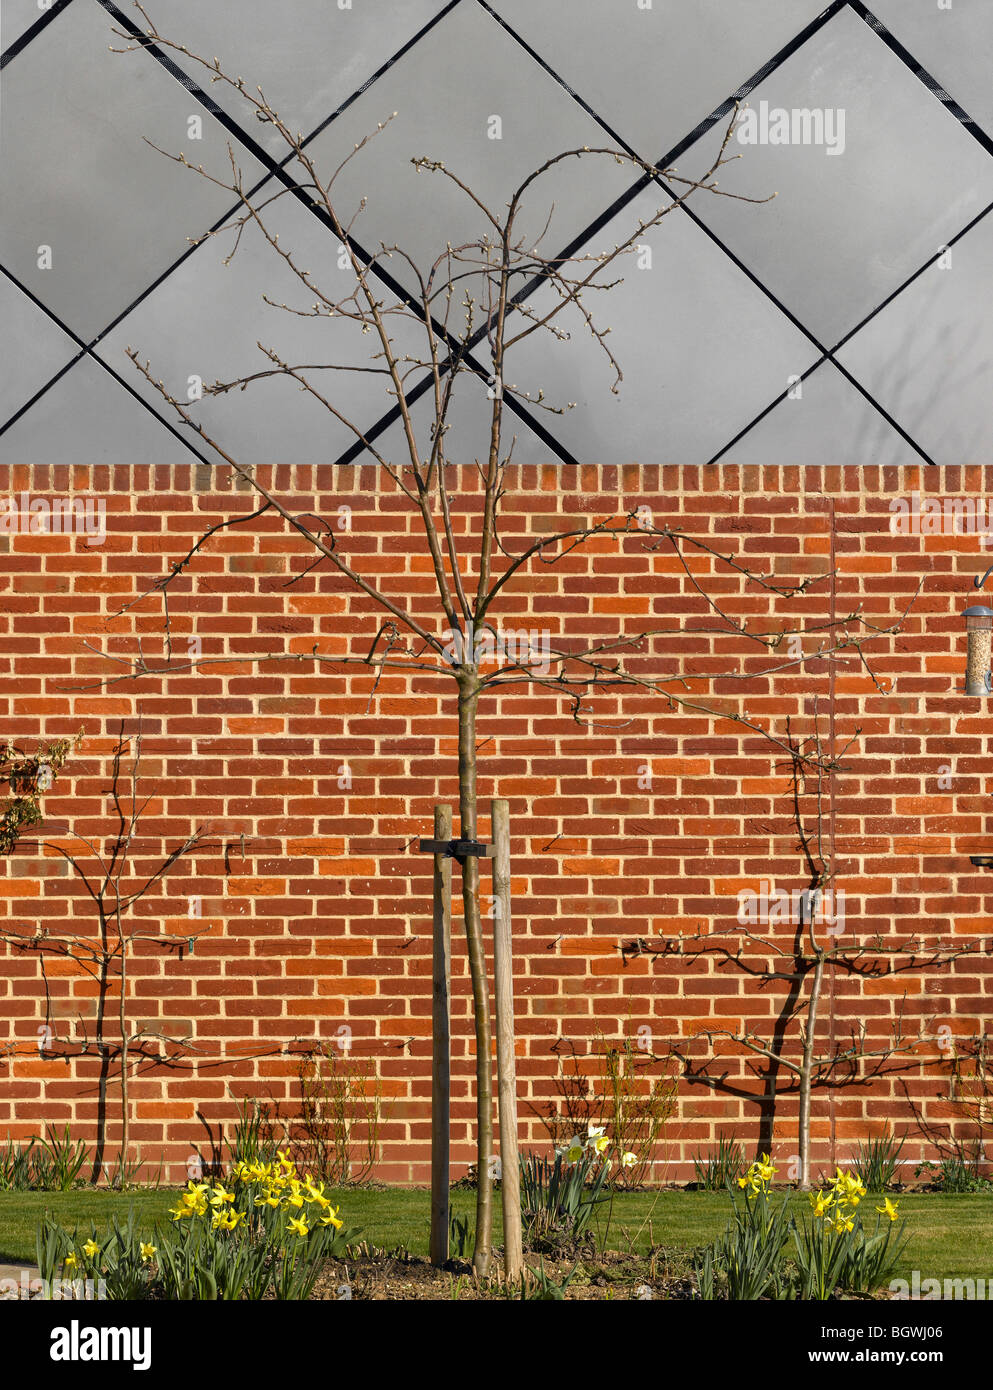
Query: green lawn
[950, 1237]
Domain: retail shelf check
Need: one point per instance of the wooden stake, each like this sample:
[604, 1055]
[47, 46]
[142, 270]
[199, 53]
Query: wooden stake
[441, 961]
[503, 963]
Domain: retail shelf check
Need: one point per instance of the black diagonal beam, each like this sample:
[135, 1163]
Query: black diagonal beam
[922, 74]
[41, 23]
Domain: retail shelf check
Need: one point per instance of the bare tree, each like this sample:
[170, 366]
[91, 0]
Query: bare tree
[114, 888]
[488, 284]
[804, 967]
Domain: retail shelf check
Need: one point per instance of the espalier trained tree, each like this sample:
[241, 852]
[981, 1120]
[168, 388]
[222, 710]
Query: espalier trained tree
[799, 1041]
[104, 931]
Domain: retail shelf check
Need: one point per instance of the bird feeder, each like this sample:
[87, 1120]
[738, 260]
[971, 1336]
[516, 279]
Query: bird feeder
[979, 627]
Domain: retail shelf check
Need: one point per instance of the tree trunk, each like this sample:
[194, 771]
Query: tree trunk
[468, 705]
[806, 1076]
[100, 1149]
[503, 998]
[103, 1052]
[441, 1042]
[125, 1101]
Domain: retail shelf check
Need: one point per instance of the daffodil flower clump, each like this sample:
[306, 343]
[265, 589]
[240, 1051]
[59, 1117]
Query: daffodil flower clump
[838, 1251]
[74, 1265]
[259, 1193]
[831, 1250]
[593, 1145]
[837, 1202]
[559, 1198]
[760, 1174]
[264, 1228]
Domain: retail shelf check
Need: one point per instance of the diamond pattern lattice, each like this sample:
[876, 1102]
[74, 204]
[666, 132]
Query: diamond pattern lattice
[736, 296]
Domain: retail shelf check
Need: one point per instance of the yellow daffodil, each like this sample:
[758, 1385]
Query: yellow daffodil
[298, 1226]
[251, 1172]
[848, 1183]
[219, 1196]
[226, 1220]
[147, 1250]
[889, 1209]
[821, 1202]
[90, 1249]
[71, 1261]
[331, 1218]
[194, 1200]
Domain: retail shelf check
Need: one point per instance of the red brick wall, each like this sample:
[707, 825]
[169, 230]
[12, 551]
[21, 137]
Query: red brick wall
[324, 917]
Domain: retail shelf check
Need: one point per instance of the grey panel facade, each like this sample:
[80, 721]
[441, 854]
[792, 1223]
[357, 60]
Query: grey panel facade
[876, 172]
